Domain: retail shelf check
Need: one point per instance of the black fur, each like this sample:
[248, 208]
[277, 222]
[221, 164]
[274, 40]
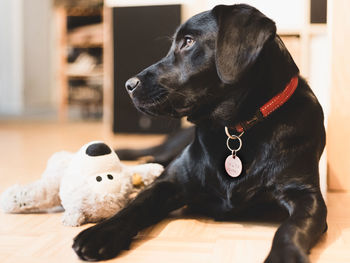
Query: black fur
[163, 153]
[235, 65]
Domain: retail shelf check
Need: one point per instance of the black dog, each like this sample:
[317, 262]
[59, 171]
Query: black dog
[223, 65]
[163, 153]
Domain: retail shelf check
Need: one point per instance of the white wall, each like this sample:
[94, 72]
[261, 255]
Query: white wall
[26, 46]
[288, 15]
[37, 49]
[319, 81]
[11, 57]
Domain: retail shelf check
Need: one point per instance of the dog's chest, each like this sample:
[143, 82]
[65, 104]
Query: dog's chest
[221, 196]
[219, 193]
[233, 194]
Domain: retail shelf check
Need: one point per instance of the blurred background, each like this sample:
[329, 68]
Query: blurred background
[63, 65]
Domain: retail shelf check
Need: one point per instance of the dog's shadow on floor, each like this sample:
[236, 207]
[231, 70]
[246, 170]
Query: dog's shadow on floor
[328, 238]
[270, 218]
[249, 220]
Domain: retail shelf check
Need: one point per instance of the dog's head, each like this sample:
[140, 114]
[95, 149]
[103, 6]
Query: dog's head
[209, 54]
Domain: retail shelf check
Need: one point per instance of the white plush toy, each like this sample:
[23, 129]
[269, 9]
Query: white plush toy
[91, 184]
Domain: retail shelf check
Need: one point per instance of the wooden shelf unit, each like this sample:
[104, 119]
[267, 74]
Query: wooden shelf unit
[82, 37]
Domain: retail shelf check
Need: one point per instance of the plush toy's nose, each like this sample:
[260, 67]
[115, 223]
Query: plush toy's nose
[98, 149]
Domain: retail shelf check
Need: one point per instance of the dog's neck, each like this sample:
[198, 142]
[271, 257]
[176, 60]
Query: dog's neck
[257, 85]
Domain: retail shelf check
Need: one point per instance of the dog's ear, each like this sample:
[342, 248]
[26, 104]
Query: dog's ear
[242, 33]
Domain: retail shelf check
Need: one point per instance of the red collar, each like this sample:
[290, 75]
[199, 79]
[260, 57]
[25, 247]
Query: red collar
[270, 106]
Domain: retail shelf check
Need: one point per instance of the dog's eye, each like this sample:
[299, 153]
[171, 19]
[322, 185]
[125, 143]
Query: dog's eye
[188, 41]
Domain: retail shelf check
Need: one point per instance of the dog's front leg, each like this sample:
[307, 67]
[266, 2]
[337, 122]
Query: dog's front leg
[107, 239]
[300, 232]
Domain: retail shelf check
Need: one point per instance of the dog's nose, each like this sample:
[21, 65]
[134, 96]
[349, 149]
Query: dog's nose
[132, 84]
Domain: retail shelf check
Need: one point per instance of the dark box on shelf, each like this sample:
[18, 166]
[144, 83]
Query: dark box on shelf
[141, 37]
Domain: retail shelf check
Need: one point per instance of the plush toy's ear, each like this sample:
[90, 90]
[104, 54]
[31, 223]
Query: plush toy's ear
[242, 33]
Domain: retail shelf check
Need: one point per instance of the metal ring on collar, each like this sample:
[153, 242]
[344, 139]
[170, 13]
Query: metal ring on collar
[228, 143]
[233, 137]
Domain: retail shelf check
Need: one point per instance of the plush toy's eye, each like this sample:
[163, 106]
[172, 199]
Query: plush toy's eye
[110, 177]
[98, 178]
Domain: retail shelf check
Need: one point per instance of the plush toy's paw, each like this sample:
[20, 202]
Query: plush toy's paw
[103, 241]
[156, 169]
[73, 219]
[15, 200]
[147, 172]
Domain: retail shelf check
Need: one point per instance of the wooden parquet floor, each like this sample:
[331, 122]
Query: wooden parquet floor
[41, 238]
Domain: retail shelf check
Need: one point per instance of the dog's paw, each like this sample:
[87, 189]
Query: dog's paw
[103, 241]
[289, 254]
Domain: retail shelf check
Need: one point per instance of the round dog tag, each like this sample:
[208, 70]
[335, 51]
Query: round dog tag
[233, 166]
